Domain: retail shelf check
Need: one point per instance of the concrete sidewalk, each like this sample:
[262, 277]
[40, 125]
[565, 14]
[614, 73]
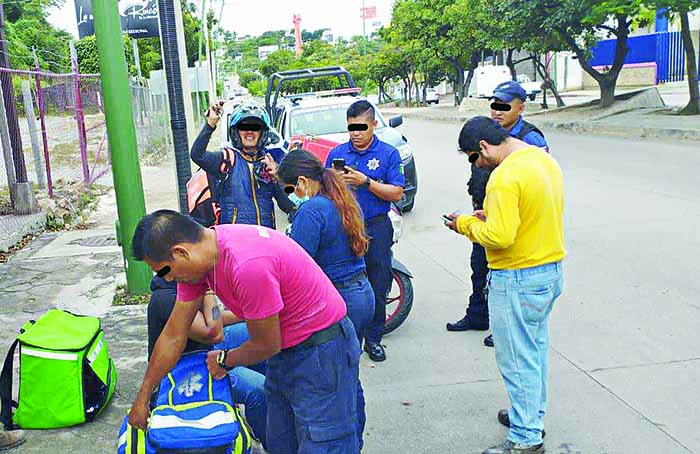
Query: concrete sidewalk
[641, 122]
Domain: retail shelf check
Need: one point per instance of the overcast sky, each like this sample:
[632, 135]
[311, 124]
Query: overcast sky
[253, 17]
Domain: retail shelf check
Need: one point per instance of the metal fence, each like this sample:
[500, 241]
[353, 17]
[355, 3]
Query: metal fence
[663, 48]
[62, 125]
[670, 57]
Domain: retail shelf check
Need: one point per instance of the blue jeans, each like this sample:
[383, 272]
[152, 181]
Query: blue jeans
[312, 397]
[378, 263]
[520, 302]
[359, 300]
[249, 382]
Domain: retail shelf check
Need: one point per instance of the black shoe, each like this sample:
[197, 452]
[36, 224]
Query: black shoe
[464, 324]
[488, 340]
[375, 351]
[510, 447]
[504, 419]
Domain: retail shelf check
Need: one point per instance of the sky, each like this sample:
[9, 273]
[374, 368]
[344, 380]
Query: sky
[253, 17]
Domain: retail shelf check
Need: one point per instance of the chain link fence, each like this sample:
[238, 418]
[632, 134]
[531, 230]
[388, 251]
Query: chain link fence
[62, 126]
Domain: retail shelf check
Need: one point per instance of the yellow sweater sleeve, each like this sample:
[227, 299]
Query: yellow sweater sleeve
[501, 225]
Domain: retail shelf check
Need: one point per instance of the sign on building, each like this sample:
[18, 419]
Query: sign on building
[139, 18]
[368, 12]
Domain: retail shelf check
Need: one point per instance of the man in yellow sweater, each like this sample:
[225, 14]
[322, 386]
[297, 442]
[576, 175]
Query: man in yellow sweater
[521, 228]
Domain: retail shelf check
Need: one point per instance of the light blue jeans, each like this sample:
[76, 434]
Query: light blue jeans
[520, 302]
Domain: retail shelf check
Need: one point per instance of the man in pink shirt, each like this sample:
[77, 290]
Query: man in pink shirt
[295, 318]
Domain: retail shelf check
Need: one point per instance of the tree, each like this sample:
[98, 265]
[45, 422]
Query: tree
[510, 30]
[385, 66]
[27, 28]
[88, 57]
[432, 71]
[579, 24]
[681, 8]
[451, 29]
[247, 77]
[276, 61]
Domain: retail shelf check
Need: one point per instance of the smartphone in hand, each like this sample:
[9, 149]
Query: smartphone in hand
[446, 218]
[339, 164]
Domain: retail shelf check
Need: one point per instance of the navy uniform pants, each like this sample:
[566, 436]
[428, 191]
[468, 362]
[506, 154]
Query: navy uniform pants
[378, 263]
[311, 395]
[478, 309]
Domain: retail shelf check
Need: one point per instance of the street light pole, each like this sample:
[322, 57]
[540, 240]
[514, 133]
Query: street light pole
[364, 19]
[121, 134]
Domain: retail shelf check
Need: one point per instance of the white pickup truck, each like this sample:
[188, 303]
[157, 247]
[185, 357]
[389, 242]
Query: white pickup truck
[487, 78]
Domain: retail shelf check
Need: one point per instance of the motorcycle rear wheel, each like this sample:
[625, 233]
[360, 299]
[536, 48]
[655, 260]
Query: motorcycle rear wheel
[399, 301]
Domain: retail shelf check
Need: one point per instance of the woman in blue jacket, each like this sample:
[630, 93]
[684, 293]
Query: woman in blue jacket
[329, 226]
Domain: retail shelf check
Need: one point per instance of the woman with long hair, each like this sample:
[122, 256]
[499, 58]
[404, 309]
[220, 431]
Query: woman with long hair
[329, 226]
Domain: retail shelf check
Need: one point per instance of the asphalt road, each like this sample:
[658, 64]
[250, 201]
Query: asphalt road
[624, 361]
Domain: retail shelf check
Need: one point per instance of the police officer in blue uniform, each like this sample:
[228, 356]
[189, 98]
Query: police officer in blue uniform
[507, 106]
[247, 187]
[373, 170]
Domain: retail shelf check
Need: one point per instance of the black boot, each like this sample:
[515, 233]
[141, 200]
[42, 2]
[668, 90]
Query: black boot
[464, 324]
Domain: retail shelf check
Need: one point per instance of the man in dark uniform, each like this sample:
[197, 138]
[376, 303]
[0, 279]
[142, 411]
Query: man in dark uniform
[373, 169]
[507, 107]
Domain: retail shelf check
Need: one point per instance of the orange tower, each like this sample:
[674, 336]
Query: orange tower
[297, 33]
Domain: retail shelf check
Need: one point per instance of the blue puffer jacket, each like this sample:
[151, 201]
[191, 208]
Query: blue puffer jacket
[244, 198]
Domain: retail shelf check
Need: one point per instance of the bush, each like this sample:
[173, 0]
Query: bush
[257, 87]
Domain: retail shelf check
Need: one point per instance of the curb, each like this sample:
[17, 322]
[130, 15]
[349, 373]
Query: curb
[577, 127]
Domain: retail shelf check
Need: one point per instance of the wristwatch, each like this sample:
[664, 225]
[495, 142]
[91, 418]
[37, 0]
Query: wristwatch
[221, 359]
[365, 185]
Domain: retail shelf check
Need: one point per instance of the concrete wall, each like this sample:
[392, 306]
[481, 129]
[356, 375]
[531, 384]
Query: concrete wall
[569, 75]
[639, 75]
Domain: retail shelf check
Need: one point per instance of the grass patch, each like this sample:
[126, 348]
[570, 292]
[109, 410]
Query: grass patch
[122, 297]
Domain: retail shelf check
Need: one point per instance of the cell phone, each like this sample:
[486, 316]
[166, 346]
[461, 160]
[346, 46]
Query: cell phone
[446, 218]
[339, 164]
[218, 112]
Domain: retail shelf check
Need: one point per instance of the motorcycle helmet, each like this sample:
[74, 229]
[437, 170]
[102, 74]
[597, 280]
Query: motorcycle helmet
[250, 114]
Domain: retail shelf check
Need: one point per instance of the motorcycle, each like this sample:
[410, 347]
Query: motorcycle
[399, 301]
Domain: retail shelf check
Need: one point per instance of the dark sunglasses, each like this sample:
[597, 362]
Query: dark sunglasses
[474, 156]
[289, 189]
[249, 127]
[501, 107]
[358, 127]
[163, 271]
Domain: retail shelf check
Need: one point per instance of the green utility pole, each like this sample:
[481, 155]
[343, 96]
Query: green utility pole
[122, 138]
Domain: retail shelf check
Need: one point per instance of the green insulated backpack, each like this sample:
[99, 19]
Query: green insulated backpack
[66, 376]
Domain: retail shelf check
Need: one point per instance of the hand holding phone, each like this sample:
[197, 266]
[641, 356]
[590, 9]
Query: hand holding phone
[339, 164]
[446, 218]
[217, 107]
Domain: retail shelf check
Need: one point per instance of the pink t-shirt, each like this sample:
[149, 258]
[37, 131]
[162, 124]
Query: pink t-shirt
[260, 272]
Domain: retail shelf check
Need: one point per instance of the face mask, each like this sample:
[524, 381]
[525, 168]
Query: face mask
[296, 200]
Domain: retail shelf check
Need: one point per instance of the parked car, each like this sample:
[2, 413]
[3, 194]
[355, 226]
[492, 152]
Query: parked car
[432, 96]
[531, 88]
[321, 116]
